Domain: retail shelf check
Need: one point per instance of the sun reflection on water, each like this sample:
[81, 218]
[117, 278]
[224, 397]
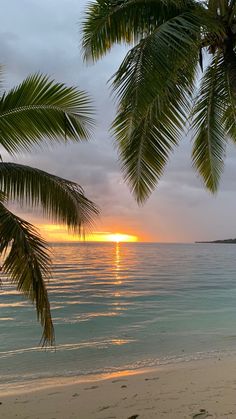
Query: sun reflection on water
[117, 264]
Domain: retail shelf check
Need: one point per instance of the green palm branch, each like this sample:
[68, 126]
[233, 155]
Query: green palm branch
[27, 263]
[61, 200]
[36, 111]
[156, 85]
[40, 108]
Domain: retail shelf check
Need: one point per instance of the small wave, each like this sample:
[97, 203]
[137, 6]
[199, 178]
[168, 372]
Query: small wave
[100, 344]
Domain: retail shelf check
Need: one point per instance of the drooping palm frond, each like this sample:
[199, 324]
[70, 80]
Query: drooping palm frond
[61, 200]
[145, 144]
[156, 58]
[108, 22]
[229, 115]
[154, 85]
[210, 140]
[40, 108]
[27, 264]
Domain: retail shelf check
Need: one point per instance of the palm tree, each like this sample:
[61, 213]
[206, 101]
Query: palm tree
[157, 84]
[36, 109]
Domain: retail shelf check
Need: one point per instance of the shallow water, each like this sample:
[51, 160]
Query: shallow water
[119, 306]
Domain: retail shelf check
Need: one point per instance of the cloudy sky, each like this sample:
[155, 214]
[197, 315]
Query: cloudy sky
[45, 36]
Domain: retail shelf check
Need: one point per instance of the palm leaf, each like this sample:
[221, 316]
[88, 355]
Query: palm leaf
[210, 139]
[145, 143]
[148, 66]
[61, 200]
[229, 116]
[39, 108]
[108, 22]
[27, 264]
[154, 85]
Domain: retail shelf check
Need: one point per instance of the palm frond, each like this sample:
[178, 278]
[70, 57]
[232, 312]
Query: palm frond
[108, 22]
[154, 85]
[145, 143]
[210, 140]
[229, 115]
[148, 66]
[40, 108]
[61, 200]
[27, 264]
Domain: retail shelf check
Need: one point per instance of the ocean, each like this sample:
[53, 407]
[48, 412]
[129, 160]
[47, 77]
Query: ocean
[123, 306]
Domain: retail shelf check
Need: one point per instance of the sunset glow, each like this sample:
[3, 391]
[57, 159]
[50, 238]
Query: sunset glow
[57, 233]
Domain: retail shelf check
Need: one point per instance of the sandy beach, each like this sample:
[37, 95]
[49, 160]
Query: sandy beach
[198, 390]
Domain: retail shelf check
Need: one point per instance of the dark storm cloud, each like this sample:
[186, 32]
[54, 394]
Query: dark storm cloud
[45, 36]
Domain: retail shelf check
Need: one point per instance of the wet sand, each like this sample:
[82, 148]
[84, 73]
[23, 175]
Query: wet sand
[193, 390]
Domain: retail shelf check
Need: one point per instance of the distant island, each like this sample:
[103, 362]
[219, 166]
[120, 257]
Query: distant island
[230, 241]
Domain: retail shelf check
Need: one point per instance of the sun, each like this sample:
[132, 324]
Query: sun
[118, 237]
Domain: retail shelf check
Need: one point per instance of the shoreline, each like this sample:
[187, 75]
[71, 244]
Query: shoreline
[171, 391]
[28, 384]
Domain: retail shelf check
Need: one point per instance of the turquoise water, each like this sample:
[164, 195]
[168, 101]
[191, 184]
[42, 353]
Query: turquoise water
[119, 306]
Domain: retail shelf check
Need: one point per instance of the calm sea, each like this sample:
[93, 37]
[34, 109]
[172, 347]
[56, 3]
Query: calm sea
[123, 306]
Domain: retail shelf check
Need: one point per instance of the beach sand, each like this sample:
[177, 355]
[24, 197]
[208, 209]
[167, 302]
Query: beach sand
[198, 389]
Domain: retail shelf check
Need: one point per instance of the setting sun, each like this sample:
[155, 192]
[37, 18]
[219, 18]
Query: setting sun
[117, 237]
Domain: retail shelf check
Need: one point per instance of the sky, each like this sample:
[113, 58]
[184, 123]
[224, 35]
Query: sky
[44, 36]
